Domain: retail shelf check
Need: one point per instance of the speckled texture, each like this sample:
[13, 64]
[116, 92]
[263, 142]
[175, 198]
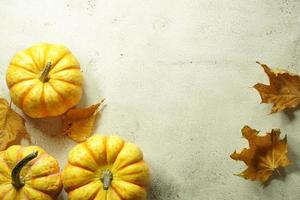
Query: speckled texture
[177, 76]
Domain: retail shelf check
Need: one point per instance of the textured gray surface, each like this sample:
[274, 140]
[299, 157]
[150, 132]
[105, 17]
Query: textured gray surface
[177, 77]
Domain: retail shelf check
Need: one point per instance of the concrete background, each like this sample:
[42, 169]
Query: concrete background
[177, 76]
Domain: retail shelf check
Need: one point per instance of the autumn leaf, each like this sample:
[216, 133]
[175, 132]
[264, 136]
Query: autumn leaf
[78, 123]
[283, 91]
[265, 154]
[12, 126]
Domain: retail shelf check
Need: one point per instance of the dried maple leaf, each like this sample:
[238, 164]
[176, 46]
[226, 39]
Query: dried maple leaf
[78, 123]
[283, 91]
[12, 126]
[265, 154]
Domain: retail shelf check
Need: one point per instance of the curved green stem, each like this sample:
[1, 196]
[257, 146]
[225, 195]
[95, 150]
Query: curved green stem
[17, 180]
[44, 75]
[106, 178]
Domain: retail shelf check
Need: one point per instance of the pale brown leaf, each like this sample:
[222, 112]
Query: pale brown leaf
[265, 155]
[283, 91]
[78, 123]
[12, 126]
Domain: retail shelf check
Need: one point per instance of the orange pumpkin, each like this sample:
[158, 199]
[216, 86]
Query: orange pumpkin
[106, 168]
[44, 80]
[28, 173]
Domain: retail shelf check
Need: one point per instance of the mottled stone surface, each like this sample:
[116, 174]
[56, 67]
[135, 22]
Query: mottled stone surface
[177, 76]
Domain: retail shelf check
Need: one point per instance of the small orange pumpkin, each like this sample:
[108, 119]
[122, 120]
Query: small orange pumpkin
[44, 80]
[106, 168]
[28, 173]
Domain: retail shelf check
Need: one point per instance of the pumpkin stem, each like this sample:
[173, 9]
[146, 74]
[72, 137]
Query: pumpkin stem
[44, 75]
[17, 180]
[106, 178]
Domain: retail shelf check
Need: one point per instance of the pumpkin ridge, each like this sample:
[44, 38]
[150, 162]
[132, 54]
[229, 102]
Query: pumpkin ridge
[119, 150]
[105, 191]
[39, 191]
[51, 193]
[131, 163]
[36, 66]
[70, 189]
[59, 94]
[117, 192]
[6, 175]
[26, 197]
[141, 186]
[94, 195]
[5, 163]
[77, 187]
[6, 192]
[23, 97]
[81, 166]
[20, 81]
[45, 175]
[7, 179]
[86, 146]
[22, 67]
[62, 57]
[67, 68]
[69, 82]
[134, 172]
[117, 178]
[42, 100]
[127, 165]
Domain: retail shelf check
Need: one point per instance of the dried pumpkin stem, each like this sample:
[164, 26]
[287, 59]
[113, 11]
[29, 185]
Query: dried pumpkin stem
[17, 180]
[106, 178]
[44, 75]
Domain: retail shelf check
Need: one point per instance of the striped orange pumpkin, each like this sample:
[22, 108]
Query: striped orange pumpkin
[28, 173]
[44, 80]
[106, 168]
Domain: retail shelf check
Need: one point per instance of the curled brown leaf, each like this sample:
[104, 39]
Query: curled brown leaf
[78, 123]
[265, 154]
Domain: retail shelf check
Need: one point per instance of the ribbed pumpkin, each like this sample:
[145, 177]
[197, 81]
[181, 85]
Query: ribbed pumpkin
[44, 80]
[28, 173]
[106, 168]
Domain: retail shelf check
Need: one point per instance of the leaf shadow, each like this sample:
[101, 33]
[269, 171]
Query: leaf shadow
[290, 113]
[163, 187]
[279, 174]
[295, 165]
[52, 126]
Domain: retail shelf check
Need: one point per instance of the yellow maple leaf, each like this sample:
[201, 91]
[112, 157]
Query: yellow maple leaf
[78, 123]
[12, 126]
[265, 154]
[283, 91]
